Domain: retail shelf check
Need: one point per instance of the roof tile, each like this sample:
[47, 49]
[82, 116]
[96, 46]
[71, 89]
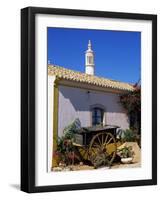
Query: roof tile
[71, 75]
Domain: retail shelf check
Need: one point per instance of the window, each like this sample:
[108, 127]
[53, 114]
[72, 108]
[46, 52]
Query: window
[97, 116]
[90, 59]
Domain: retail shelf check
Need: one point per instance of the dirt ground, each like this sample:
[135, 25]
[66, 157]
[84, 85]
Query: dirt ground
[87, 167]
[132, 165]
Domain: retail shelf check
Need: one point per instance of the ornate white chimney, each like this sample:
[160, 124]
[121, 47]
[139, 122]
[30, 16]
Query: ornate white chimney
[89, 60]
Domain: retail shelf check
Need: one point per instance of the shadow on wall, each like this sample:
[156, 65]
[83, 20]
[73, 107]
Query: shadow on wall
[82, 99]
[77, 103]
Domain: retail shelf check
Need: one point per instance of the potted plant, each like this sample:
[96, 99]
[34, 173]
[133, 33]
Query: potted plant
[126, 154]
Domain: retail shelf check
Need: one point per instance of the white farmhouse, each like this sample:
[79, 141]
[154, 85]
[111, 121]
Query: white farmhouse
[92, 99]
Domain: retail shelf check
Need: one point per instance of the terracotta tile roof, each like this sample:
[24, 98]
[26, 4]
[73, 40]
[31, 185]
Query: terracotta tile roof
[72, 75]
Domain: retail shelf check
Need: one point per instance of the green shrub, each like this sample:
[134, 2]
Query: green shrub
[71, 129]
[65, 149]
[125, 152]
[129, 136]
[101, 159]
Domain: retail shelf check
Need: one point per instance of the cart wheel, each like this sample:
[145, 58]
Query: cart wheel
[103, 144]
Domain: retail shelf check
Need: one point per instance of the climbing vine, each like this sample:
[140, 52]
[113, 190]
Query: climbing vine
[132, 103]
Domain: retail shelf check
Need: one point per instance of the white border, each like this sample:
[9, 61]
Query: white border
[43, 177]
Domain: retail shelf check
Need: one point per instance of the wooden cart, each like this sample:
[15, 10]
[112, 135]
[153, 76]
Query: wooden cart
[96, 140]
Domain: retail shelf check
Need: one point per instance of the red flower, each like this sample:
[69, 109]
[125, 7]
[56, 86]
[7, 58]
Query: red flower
[71, 155]
[55, 153]
[66, 142]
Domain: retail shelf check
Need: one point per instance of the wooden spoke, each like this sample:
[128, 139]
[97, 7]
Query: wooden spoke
[96, 145]
[109, 140]
[102, 138]
[99, 140]
[106, 139]
[104, 143]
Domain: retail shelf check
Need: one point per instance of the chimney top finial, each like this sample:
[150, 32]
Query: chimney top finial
[89, 44]
[89, 59]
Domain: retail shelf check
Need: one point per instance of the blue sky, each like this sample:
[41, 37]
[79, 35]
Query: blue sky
[117, 53]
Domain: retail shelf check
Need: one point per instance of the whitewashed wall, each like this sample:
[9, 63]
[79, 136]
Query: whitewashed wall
[75, 103]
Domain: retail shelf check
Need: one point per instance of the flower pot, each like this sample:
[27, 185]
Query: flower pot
[126, 160]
